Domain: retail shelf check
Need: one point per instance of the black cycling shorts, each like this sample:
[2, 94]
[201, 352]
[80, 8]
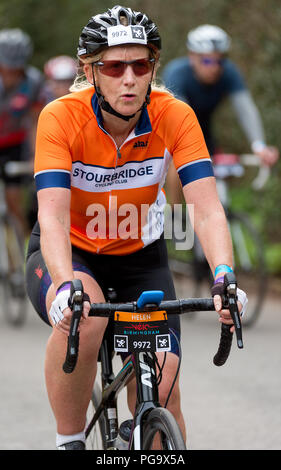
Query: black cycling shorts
[128, 275]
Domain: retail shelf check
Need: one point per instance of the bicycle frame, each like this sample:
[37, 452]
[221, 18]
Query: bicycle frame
[143, 364]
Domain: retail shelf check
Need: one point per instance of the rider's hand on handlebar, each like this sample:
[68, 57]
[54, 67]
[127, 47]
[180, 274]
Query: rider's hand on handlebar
[224, 314]
[269, 155]
[61, 314]
[218, 291]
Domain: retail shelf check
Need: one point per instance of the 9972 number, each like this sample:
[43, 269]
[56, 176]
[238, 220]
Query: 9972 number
[117, 34]
[141, 345]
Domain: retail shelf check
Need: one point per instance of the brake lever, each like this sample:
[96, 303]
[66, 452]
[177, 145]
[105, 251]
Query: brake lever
[76, 305]
[231, 289]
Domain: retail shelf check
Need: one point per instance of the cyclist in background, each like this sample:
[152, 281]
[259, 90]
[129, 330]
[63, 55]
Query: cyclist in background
[20, 105]
[105, 148]
[203, 79]
[60, 72]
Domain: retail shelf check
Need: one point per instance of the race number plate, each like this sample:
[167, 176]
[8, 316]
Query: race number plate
[141, 331]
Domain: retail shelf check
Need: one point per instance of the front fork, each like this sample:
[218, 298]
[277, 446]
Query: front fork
[147, 397]
[147, 394]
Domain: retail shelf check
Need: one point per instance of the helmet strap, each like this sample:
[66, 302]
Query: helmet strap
[106, 106]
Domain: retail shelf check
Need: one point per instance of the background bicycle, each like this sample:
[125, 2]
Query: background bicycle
[249, 251]
[150, 421]
[12, 243]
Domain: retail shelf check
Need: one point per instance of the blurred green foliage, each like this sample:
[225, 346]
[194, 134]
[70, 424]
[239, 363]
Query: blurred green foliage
[254, 26]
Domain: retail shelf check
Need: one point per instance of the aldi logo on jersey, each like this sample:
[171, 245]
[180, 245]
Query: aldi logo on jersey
[140, 144]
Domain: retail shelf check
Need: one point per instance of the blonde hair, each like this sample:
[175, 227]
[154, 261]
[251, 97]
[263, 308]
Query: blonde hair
[80, 81]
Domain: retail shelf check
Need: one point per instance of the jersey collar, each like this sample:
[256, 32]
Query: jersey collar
[143, 125]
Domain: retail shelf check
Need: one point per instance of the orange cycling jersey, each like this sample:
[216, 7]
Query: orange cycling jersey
[117, 197]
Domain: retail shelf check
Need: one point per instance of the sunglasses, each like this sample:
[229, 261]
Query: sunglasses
[209, 61]
[116, 68]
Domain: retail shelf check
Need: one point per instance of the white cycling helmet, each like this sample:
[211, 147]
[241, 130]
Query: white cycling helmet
[206, 39]
[61, 68]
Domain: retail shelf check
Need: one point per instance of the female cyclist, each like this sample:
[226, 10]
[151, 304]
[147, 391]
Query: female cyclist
[102, 154]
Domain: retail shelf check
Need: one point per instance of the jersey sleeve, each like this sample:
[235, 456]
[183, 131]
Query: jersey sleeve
[53, 161]
[189, 151]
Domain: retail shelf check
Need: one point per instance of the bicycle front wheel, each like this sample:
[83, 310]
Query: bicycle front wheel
[249, 263]
[161, 430]
[96, 434]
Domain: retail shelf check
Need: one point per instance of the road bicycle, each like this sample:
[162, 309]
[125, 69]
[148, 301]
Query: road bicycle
[248, 246]
[12, 243]
[140, 329]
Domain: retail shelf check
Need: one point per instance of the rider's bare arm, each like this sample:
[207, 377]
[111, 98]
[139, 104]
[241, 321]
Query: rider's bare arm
[209, 218]
[54, 220]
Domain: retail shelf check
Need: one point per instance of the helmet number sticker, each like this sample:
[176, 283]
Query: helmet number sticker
[117, 35]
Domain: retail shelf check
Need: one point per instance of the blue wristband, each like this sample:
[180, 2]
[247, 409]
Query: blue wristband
[223, 268]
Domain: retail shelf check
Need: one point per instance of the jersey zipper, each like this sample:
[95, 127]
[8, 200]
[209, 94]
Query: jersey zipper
[118, 156]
